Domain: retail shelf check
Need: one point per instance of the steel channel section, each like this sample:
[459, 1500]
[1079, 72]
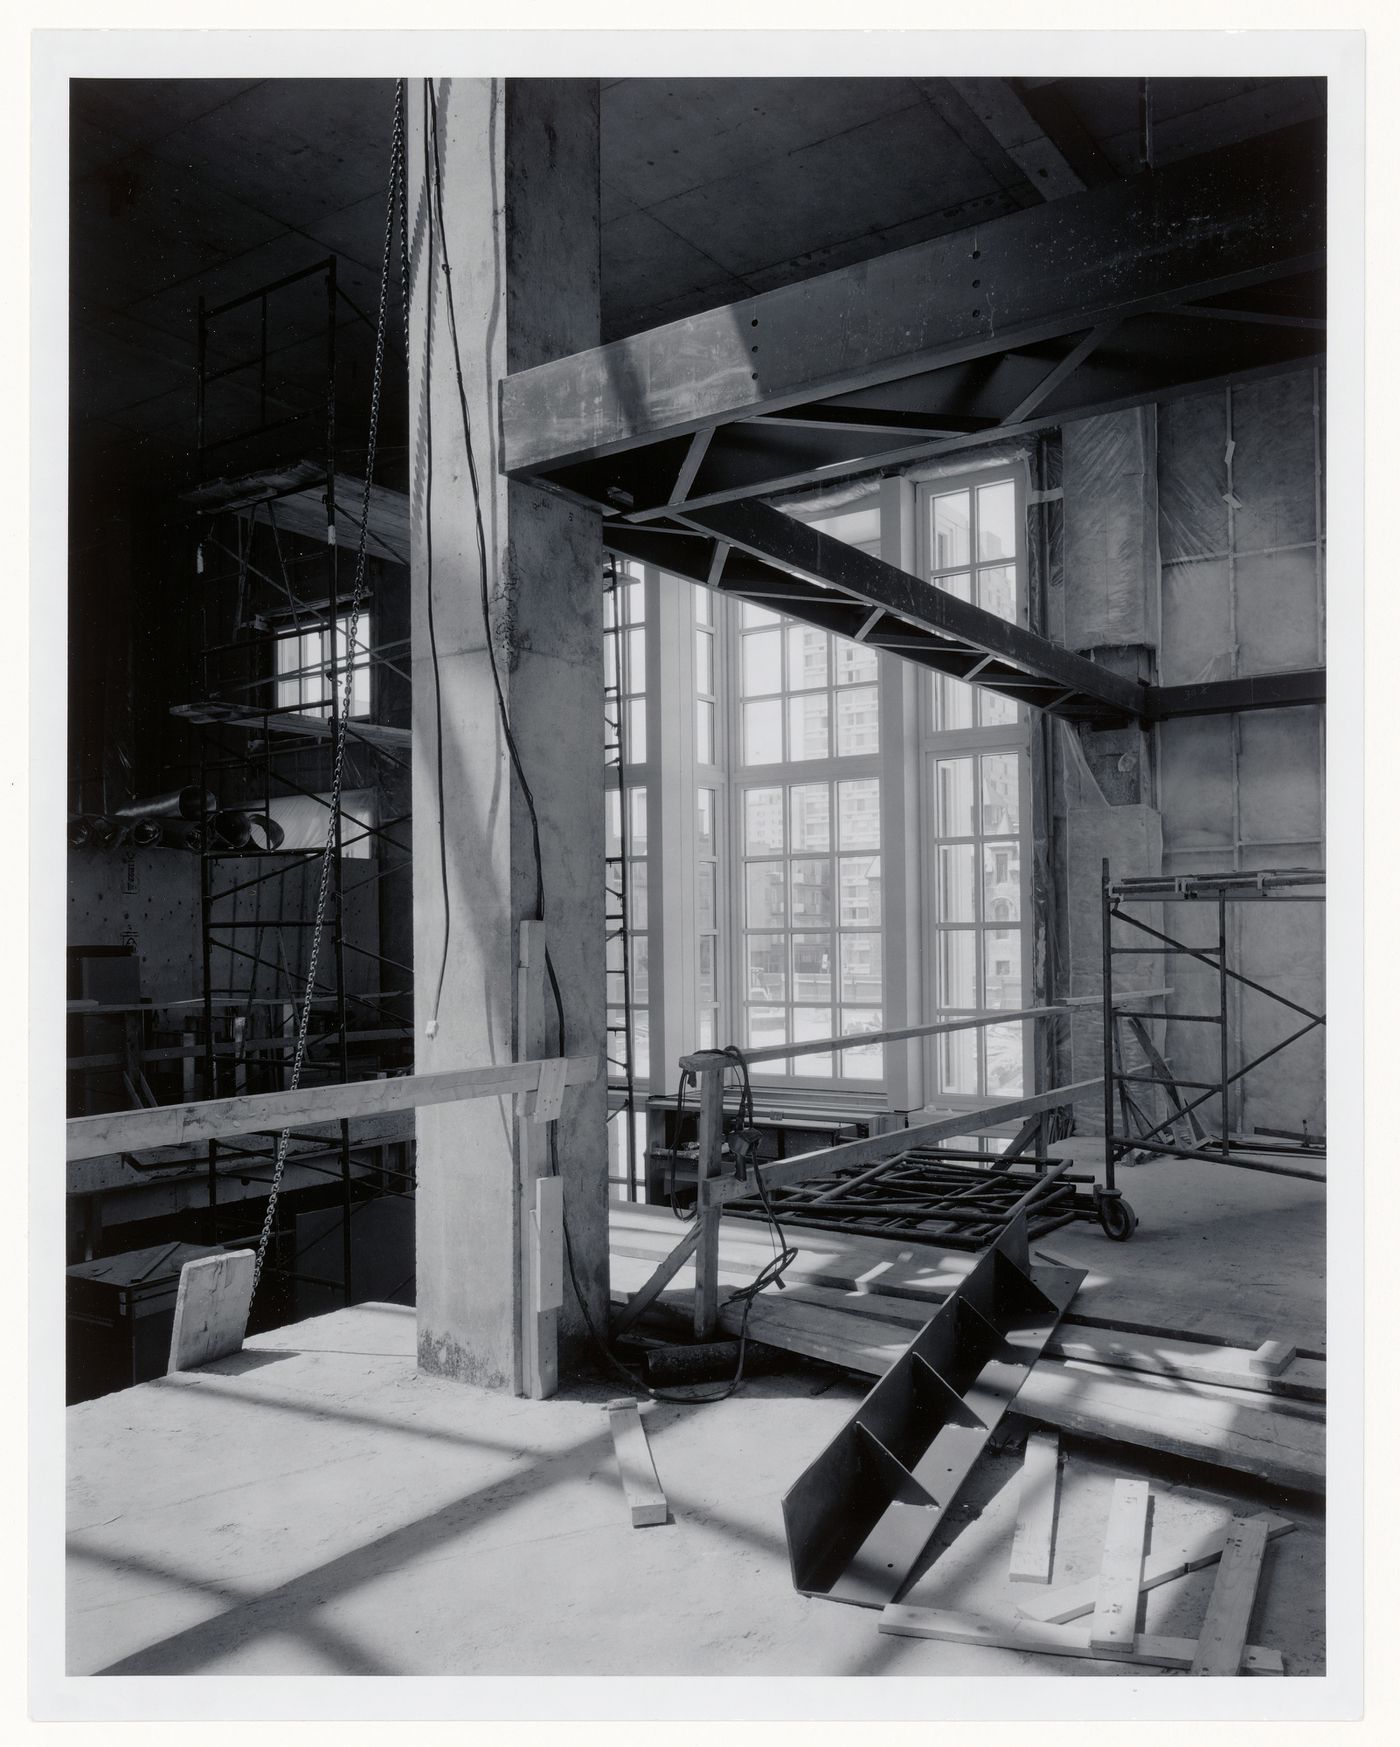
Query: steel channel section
[860, 1517]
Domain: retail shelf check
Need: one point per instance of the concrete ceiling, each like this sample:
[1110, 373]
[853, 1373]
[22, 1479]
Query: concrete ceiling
[711, 189]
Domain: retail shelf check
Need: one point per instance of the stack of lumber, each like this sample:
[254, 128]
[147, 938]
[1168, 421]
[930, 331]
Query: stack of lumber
[858, 1304]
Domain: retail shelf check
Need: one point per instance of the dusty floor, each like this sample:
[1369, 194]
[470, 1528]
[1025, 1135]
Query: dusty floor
[315, 1505]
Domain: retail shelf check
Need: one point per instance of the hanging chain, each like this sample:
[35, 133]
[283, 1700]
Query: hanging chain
[397, 189]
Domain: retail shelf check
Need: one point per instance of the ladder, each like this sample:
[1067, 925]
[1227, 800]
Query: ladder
[622, 1089]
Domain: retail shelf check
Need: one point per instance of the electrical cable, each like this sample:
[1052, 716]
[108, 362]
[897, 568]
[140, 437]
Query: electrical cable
[772, 1271]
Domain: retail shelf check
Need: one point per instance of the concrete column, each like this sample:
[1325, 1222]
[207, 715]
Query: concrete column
[519, 201]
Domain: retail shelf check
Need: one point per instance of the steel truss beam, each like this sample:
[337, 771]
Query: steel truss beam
[944, 341]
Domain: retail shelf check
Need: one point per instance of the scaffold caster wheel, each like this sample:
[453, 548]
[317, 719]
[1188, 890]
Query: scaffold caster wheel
[1117, 1218]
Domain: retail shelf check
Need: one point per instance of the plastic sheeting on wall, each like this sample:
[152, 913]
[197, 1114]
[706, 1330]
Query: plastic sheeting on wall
[1110, 539]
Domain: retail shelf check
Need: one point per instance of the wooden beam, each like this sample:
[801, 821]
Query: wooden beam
[1222, 1643]
[775, 1052]
[798, 546]
[1114, 1625]
[1073, 1600]
[1196, 229]
[1020, 136]
[646, 1502]
[211, 1309]
[124, 1131]
[1033, 1544]
[1148, 1648]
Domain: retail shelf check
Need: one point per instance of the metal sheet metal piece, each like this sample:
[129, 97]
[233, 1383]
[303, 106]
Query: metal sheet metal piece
[860, 1517]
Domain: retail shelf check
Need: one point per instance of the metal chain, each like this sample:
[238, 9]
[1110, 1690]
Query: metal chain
[397, 189]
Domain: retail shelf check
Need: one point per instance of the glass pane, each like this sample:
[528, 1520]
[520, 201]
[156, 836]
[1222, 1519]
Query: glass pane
[1001, 882]
[705, 897]
[953, 779]
[861, 971]
[856, 664]
[763, 732]
[704, 662]
[808, 658]
[811, 816]
[762, 663]
[753, 615]
[956, 884]
[765, 960]
[610, 719]
[1002, 954]
[858, 813]
[867, 1062]
[638, 946]
[705, 821]
[704, 606]
[705, 969]
[705, 1029]
[609, 662]
[1001, 794]
[635, 596]
[809, 1024]
[951, 514]
[612, 885]
[859, 526]
[637, 821]
[609, 609]
[617, 985]
[954, 704]
[995, 710]
[641, 1043]
[765, 906]
[857, 721]
[996, 520]
[636, 675]
[957, 1061]
[957, 969]
[1005, 1063]
[860, 891]
[811, 890]
[811, 967]
[996, 590]
[637, 731]
[704, 731]
[763, 821]
[614, 954]
[612, 822]
[808, 715]
[766, 1025]
[637, 894]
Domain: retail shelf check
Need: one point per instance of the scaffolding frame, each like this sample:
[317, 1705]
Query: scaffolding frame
[622, 1091]
[1269, 1153]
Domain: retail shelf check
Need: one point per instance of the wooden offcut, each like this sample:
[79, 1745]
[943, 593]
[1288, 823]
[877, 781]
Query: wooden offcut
[645, 1500]
[1147, 1648]
[1273, 1358]
[211, 1309]
[1032, 1546]
[1222, 1642]
[1071, 1601]
[1114, 1625]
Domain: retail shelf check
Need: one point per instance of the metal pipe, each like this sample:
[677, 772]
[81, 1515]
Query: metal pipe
[231, 829]
[268, 830]
[146, 834]
[191, 802]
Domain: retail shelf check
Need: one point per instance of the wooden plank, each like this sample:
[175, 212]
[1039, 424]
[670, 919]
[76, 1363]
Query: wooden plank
[134, 1130]
[1234, 1367]
[1240, 216]
[211, 1309]
[1272, 1359]
[1148, 1648]
[656, 1283]
[645, 1500]
[775, 1052]
[547, 1242]
[1033, 1544]
[1226, 1625]
[1073, 1600]
[1282, 1449]
[538, 1298]
[1114, 1623]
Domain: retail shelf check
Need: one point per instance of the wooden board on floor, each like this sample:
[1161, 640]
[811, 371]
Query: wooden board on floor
[1147, 1648]
[1071, 1601]
[1226, 1625]
[1234, 1367]
[1114, 1623]
[211, 1309]
[1033, 1544]
[645, 1500]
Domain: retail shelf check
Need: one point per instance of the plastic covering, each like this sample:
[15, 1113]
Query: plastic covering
[1110, 558]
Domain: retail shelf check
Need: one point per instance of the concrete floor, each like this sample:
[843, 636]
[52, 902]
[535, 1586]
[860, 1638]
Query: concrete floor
[315, 1505]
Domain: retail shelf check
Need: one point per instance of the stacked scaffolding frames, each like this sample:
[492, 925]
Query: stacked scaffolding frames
[621, 1057]
[1179, 1133]
[244, 728]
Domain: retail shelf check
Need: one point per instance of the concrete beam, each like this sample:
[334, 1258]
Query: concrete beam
[516, 168]
[1020, 136]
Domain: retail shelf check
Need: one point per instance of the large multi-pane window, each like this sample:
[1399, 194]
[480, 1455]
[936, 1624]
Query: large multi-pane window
[976, 775]
[809, 898]
[304, 667]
